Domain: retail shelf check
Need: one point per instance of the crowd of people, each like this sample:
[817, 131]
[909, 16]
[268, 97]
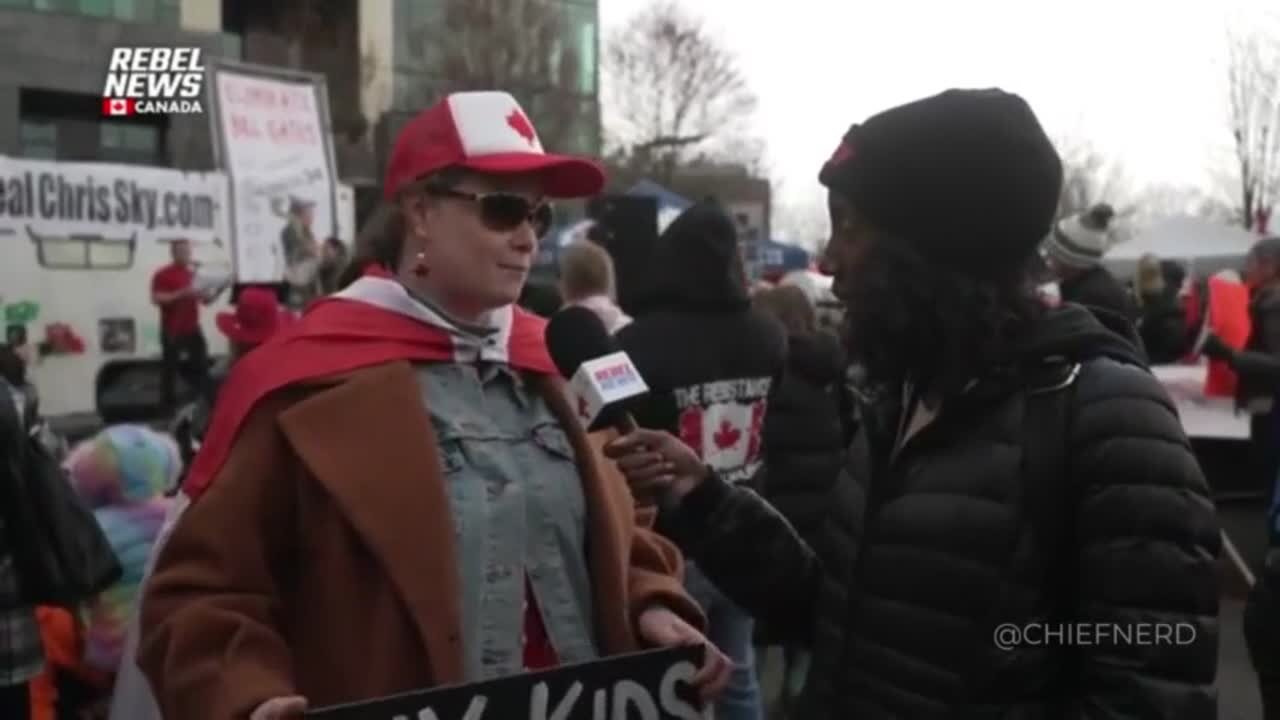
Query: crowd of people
[393, 491]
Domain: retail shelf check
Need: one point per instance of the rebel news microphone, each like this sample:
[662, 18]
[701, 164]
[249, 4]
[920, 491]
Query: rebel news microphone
[603, 379]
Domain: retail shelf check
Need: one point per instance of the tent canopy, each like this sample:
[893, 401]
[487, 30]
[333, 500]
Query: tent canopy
[1205, 245]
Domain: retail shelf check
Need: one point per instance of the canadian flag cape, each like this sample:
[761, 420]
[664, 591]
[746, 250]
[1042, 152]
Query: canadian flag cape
[371, 323]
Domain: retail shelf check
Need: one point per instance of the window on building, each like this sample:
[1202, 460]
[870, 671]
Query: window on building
[38, 139]
[415, 23]
[70, 126]
[580, 41]
[165, 12]
[169, 13]
[126, 142]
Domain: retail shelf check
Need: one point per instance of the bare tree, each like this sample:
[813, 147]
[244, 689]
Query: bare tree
[1159, 201]
[672, 90]
[1089, 178]
[1253, 76]
[520, 46]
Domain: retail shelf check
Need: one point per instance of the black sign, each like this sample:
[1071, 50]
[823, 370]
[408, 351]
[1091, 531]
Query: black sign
[651, 685]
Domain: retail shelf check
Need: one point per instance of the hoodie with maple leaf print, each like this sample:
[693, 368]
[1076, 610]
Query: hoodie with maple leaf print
[710, 359]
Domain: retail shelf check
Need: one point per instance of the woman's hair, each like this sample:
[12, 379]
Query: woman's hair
[1175, 275]
[586, 269]
[1149, 277]
[381, 239]
[790, 306]
[911, 317]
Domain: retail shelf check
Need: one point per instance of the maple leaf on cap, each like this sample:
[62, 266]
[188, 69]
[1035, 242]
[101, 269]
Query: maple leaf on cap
[521, 125]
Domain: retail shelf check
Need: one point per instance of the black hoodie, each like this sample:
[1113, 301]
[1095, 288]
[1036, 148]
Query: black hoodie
[804, 436]
[709, 358]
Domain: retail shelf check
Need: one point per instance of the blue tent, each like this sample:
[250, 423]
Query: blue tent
[778, 258]
[667, 200]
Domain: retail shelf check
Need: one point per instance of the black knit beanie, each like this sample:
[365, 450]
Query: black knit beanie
[968, 176]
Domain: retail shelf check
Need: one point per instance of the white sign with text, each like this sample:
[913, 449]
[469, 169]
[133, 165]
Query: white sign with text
[276, 148]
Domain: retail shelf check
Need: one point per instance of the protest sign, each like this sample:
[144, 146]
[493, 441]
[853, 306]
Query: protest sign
[652, 685]
[274, 141]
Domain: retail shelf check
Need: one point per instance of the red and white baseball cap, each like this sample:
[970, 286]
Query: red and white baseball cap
[487, 132]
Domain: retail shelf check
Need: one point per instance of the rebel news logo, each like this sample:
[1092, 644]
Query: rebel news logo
[153, 80]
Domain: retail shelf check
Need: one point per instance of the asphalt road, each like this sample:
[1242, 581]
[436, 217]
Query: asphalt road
[1242, 521]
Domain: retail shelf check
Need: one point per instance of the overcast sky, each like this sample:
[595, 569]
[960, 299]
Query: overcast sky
[1143, 80]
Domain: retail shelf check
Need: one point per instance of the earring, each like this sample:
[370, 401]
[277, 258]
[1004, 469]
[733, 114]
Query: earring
[420, 265]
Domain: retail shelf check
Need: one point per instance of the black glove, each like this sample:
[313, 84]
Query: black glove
[1216, 349]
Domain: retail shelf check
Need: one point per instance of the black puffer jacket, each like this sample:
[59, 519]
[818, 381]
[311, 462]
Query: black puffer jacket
[191, 423]
[1098, 288]
[1163, 327]
[933, 550]
[803, 434]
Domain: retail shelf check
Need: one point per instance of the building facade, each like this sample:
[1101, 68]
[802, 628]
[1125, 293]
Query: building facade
[384, 60]
[545, 52]
[52, 69]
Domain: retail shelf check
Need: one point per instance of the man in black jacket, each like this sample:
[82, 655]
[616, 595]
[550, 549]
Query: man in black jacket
[1023, 530]
[1075, 250]
[710, 361]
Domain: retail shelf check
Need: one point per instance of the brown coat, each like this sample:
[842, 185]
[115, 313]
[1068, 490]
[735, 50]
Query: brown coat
[321, 560]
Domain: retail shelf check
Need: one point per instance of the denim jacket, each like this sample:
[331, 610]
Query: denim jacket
[518, 510]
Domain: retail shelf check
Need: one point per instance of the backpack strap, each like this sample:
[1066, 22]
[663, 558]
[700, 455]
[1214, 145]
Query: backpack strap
[1048, 498]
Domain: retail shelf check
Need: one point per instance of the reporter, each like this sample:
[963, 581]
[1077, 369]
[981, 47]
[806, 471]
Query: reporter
[395, 493]
[1016, 465]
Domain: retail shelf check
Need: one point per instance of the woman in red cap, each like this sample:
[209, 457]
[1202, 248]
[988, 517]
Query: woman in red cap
[396, 494]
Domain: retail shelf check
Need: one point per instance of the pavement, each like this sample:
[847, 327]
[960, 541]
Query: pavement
[1238, 699]
[1237, 689]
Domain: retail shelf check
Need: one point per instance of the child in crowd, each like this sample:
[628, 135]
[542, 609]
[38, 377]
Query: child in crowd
[122, 474]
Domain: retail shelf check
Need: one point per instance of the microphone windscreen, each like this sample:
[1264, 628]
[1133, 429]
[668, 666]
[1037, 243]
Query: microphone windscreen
[575, 335]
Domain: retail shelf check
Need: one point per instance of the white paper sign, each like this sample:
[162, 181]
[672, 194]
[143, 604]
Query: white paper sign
[276, 149]
[1202, 416]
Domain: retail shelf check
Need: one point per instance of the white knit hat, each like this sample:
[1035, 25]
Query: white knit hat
[1081, 241]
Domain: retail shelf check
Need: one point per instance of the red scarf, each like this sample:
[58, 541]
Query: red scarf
[338, 335]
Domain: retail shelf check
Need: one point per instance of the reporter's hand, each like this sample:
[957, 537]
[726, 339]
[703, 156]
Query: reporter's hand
[280, 708]
[656, 462]
[1216, 349]
[662, 628]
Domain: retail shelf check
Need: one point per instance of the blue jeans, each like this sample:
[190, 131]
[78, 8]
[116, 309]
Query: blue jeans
[730, 629]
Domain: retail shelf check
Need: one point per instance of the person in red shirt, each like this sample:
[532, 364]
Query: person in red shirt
[183, 347]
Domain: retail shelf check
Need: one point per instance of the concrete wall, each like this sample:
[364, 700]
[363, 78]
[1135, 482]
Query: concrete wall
[202, 16]
[377, 43]
[69, 53]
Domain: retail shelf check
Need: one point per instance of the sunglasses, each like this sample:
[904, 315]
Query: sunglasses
[503, 211]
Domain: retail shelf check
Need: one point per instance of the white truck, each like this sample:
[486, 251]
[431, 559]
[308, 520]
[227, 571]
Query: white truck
[79, 243]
